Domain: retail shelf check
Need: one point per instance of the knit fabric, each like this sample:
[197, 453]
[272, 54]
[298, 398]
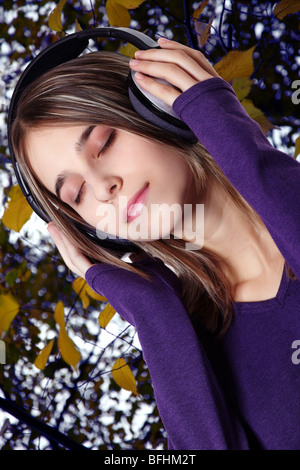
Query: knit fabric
[242, 392]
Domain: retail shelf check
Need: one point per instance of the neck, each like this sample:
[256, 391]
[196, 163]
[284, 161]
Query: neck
[245, 248]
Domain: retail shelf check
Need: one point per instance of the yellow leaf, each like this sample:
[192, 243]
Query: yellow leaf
[79, 287]
[9, 307]
[66, 346]
[54, 20]
[123, 376]
[43, 356]
[206, 33]
[257, 115]
[59, 315]
[297, 147]
[128, 51]
[130, 4]
[117, 14]
[77, 26]
[18, 211]
[242, 87]
[26, 276]
[106, 315]
[82, 288]
[236, 64]
[200, 9]
[94, 294]
[286, 7]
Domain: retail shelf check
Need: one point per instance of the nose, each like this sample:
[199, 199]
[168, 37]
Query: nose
[106, 189]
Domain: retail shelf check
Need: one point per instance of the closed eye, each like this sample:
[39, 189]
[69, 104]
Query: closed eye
[109, 141]
[105, 147]
[80, 194]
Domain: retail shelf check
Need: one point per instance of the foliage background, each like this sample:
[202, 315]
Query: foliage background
[83, 399]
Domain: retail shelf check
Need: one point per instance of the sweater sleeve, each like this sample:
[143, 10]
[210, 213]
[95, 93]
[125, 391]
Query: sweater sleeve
[268, 179]
[190, 403]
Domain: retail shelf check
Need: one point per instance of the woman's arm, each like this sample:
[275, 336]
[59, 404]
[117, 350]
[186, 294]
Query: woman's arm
[267, 178]
[191, 405]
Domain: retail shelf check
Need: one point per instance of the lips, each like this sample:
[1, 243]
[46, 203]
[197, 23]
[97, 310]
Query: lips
[136, 204]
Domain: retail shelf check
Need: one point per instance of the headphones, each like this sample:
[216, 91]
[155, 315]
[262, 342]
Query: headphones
[146, 105]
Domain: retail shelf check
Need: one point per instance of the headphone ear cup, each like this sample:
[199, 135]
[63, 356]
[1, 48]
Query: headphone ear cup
[157, 112]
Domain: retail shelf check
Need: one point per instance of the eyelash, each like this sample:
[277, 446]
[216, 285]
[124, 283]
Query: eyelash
[109, 141]
[105, 147]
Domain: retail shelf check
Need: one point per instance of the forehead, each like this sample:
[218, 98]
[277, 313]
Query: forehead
[49, 148]
[37, 135]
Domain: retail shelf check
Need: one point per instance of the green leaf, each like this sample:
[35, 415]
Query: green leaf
[128, 51]
[242, 87]
[11, 277]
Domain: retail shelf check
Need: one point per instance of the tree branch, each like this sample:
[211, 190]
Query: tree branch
[42, 428]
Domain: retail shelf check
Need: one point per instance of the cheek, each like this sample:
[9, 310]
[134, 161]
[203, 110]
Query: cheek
[106, 219]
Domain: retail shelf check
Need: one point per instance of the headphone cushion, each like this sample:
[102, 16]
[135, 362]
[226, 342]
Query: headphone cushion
[158, 113]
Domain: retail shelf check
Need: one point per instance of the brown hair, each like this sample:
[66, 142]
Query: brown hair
[92, 89]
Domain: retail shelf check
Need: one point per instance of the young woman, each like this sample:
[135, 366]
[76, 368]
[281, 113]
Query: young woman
[219, 329]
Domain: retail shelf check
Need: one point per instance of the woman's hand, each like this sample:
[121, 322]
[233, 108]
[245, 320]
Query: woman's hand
[179, 65]
[73, 258]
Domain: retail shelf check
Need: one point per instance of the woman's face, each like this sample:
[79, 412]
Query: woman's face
[118, 182]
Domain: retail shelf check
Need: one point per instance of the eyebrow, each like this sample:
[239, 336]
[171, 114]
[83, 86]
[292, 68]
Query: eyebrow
[60, 181]
[83, 138]
[78, 147]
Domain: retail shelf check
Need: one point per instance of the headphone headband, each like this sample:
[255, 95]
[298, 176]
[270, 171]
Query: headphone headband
[70, 47]
[67, 48]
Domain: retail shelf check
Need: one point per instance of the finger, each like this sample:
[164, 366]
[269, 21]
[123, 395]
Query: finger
[168, 71]
[193, 53]
[166, 93]
[71, 255]
[175, 66]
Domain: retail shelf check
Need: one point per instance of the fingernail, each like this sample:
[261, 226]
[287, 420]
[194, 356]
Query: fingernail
[138, 53]
[163, 40]
[139, 76]
[134, 62]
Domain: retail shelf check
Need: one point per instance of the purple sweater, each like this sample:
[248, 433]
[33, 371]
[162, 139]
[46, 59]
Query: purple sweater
[244, 392]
